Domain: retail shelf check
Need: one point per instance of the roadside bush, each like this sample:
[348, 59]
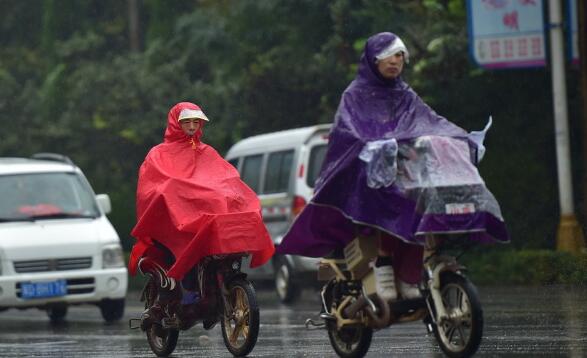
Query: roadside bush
[526, 267]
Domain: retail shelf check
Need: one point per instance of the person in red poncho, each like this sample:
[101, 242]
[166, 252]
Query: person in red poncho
[191, 203]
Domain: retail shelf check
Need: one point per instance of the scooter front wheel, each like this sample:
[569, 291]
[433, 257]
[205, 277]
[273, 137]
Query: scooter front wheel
[240, 321]
[162, 341]
[459, 334]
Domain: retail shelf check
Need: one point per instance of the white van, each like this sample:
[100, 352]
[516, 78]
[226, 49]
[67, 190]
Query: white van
[282, 167]
[57, 248]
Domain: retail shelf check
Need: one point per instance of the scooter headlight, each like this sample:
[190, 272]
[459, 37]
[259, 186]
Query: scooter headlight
[112, 257]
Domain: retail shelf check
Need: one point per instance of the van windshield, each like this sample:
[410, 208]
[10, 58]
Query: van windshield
[45, 196]
[317, 154]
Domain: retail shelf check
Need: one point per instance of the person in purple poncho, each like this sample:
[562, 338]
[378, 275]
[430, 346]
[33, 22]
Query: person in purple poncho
[379, 105]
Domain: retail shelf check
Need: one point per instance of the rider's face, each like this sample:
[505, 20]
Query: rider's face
[392, 66]
[190, 125]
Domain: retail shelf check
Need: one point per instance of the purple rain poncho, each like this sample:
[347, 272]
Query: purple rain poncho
[374, 109]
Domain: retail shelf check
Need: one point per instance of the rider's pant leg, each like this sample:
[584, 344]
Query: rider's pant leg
[407, 258]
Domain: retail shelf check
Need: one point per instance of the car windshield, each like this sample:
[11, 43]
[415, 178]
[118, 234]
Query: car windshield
[45, 196]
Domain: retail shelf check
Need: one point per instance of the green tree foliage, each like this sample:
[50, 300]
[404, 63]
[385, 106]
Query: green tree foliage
[69, 83]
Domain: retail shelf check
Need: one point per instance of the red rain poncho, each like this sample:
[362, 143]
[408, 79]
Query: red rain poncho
[193, 202]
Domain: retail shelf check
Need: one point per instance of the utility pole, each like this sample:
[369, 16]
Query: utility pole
[582, 20]
[569, 234]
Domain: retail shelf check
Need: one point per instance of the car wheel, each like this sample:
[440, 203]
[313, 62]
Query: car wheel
[57, 313]
[112, 310]
[285, 287]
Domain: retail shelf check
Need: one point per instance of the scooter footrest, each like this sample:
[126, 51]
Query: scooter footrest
[311, 324]
[134, 323]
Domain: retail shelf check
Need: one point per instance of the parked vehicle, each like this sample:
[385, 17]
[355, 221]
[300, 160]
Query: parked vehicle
[224, 294]
[282, 167]
[57, 247]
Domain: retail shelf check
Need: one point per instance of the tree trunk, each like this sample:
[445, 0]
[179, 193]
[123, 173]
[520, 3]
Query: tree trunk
[134, 33]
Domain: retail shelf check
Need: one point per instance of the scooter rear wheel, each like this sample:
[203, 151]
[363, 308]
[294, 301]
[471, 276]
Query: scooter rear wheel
[460, 335]
[240, 321]
[349, 342]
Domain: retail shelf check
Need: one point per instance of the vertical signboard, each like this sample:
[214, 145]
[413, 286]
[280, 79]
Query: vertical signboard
[506, 33]
[573, 34]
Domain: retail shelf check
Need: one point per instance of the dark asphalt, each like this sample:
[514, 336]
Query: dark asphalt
[519, 322]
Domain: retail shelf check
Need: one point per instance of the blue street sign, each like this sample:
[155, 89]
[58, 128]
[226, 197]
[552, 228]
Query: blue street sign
[506, 33]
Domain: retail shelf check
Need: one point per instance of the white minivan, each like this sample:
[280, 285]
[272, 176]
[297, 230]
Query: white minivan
[282, 167]
[57, 247]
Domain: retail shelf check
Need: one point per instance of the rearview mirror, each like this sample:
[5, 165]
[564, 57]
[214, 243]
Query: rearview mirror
[104, 203]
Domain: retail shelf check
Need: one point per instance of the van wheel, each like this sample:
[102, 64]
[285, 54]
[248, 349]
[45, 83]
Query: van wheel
[284, 286]
[57, 313]
[112, 310]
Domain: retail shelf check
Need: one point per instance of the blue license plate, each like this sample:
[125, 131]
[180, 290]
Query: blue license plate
[43, 289]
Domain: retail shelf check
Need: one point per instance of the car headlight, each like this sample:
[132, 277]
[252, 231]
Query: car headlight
[112, 257]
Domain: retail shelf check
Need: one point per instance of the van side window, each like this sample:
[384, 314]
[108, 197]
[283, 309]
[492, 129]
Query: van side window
[251, 171]
[317, 154]
[234, 163]
[278, 172]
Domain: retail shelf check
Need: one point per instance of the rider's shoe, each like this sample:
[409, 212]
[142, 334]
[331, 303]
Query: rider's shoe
[409, 291]
[385, 281]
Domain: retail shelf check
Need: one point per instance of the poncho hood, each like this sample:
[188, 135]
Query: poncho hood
[367, 72]
[372, 108]
[190, 200]
[173, 132]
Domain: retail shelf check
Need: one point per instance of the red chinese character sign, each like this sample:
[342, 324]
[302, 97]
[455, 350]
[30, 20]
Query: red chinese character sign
[506, 33]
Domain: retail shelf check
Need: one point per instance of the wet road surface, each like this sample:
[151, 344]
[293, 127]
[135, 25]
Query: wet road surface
[519, 322]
